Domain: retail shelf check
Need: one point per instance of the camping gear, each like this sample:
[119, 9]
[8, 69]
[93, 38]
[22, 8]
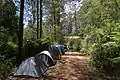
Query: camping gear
[55, 52]
[45, 57]
[35, 66]
[38, 65]
[61, 48]
[30, 68]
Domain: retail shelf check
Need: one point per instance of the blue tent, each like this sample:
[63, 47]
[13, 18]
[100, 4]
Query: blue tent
[54, 51]
[38, 65]
[35, 66]
[60, 47]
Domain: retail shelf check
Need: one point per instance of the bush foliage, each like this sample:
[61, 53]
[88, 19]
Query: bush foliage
[8, 52]
[103, 54]
[31, 48]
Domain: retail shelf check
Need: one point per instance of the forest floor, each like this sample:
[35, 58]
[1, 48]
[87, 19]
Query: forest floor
[72, 66]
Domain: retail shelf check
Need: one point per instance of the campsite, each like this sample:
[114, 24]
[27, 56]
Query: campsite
[65, 69]
[59, 39]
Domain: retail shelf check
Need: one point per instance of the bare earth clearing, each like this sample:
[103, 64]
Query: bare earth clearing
[72, 66]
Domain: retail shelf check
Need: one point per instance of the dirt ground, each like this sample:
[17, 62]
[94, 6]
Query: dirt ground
[72, 66]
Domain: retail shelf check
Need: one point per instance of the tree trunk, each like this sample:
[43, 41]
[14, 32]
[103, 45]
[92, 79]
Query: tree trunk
[54, 25]
[69, 27]
[75, 22]
[37, 19]
[41, 1]
[33, 7]
[20, 33]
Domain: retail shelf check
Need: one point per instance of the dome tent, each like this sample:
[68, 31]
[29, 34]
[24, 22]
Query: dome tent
[55, 52]
[35, 66]
[38, 65]
[60, 48]
[45, 57]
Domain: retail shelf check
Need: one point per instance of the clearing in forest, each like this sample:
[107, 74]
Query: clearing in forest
[72, 66]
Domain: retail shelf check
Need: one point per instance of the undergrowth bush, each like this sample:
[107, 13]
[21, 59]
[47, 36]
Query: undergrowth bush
[8, 53]
[103, 53]
[73, 44]
[31, 48]
[8, 50]
[6, 66]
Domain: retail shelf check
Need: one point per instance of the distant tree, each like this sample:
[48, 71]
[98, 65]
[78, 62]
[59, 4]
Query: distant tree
[30, 32]
[54, 7]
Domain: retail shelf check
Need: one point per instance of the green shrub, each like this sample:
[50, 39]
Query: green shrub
[43, 44]
[7, 59]
[31, 48]
[85, 45]
[73, 44]
[115, 60]
[103, 53]
[8, 50]
[76, 46]
[116, 63]
[6, 67]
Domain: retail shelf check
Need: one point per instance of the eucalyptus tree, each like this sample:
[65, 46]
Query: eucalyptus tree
[55, 10]
[37, 19]
[50, 6]
[20, 33]
[36, 11]
[33, 9]
[41, 15]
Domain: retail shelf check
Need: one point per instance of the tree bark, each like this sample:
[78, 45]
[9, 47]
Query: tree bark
[54, 21]
[37, 19]
[41, 1]
[20, 33]
[75, 21]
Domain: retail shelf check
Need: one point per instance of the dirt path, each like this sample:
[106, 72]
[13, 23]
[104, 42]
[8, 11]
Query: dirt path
[72, 66]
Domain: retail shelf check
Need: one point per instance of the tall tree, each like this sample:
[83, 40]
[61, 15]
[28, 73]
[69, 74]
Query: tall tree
[56, 10]
[54, 18]
[37, 19]
[41, 2]
[20, 33]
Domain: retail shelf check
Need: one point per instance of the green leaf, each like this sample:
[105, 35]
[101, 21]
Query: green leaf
[116, 60]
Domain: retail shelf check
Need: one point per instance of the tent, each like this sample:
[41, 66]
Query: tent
[35, 66]
[46, 57]
[55, 52]
[60, 48]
